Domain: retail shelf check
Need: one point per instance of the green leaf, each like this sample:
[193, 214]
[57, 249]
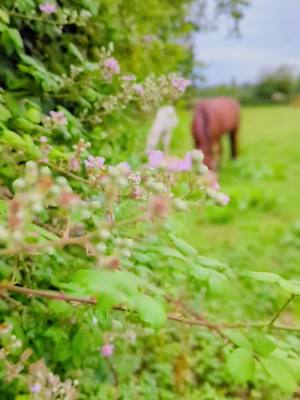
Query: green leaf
[12, 40]
[262, 344]
[279, 373]
[209, 262]
[240, 364]
[293, 366]
[5, 114]
[31, 149]
[264, 276]
[75, 51]
[4, 16]
[150, 311]
[198, 272]
[291, 286]
[183, 246]
[13, 139]
[238, 338]
[172, 253]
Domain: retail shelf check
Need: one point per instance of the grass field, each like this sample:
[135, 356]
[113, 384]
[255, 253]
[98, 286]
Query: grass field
[260, 228]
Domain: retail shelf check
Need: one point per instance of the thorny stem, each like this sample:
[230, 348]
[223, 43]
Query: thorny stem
[276, 316]
[31, 18]
[69, 174]
[171, 317]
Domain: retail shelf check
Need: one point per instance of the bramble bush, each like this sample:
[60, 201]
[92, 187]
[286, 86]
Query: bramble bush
[99, 299]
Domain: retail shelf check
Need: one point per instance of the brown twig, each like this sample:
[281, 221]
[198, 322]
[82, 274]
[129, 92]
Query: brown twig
[171, 317]
[276, 316]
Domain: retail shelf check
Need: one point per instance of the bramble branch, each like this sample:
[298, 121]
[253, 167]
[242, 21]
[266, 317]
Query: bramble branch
[171, 317]
[80, 240]
[276, 316]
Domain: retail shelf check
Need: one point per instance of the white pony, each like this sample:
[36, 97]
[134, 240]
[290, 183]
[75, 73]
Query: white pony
[163, 125]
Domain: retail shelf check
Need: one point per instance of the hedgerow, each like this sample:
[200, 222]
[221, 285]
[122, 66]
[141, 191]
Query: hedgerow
[99, 297]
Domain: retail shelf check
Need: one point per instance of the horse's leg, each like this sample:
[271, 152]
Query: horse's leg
[167, 135]
[218, 154]
[154, 136]
[233, 135]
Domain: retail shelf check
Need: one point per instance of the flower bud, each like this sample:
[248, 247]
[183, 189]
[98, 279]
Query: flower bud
[116, 325]
[113, 171]
[180, 205]
[3, 233]
[19, 184]
[45, 171]
[101, 248]
[156, 187]
[125, 253]
[121, 182]
[129, 243]
[107, 350]
[203, 169]
[104, 234]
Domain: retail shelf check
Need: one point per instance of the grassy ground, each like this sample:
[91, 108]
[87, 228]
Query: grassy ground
[260, 229]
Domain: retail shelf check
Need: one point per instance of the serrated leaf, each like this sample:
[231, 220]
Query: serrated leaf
[150, 310]
[238, 338]
[172, 253]
[183, 246]
[198, 272]
[262, 344]
[209, 262]
[279, 373]
[291, 286]
[264, 276]
[240, 364]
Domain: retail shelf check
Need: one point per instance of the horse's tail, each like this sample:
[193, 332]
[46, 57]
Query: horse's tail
[201, 128]
[202, 134]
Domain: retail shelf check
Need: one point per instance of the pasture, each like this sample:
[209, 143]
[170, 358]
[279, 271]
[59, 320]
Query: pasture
[260, 228]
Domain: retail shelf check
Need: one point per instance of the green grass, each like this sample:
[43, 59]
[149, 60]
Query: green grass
[260, 228]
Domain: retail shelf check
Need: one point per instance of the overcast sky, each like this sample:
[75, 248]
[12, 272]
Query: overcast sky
[270, 36]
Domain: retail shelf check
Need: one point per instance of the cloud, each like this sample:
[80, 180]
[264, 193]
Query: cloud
[270, 36]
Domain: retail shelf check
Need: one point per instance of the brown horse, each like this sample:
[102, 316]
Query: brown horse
[212, 119]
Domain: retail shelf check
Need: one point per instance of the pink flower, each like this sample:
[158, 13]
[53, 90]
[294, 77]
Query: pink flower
[107, 350]
[174, 164]
[36, 388]
[180, 83]
[135, 178]
[128, 78]
[149, 38]
[137, 193]
[43, 139]
[138, 88]
[125, 167]
[48, 8]
[112, 65]
[223, 199]
[156, 158]
[74, 164]
[94, 162]
[58, 117]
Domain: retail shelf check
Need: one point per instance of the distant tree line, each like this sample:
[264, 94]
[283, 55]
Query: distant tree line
[279, 85]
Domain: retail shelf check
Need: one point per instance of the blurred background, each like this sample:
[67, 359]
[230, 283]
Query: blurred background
[257, 62]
